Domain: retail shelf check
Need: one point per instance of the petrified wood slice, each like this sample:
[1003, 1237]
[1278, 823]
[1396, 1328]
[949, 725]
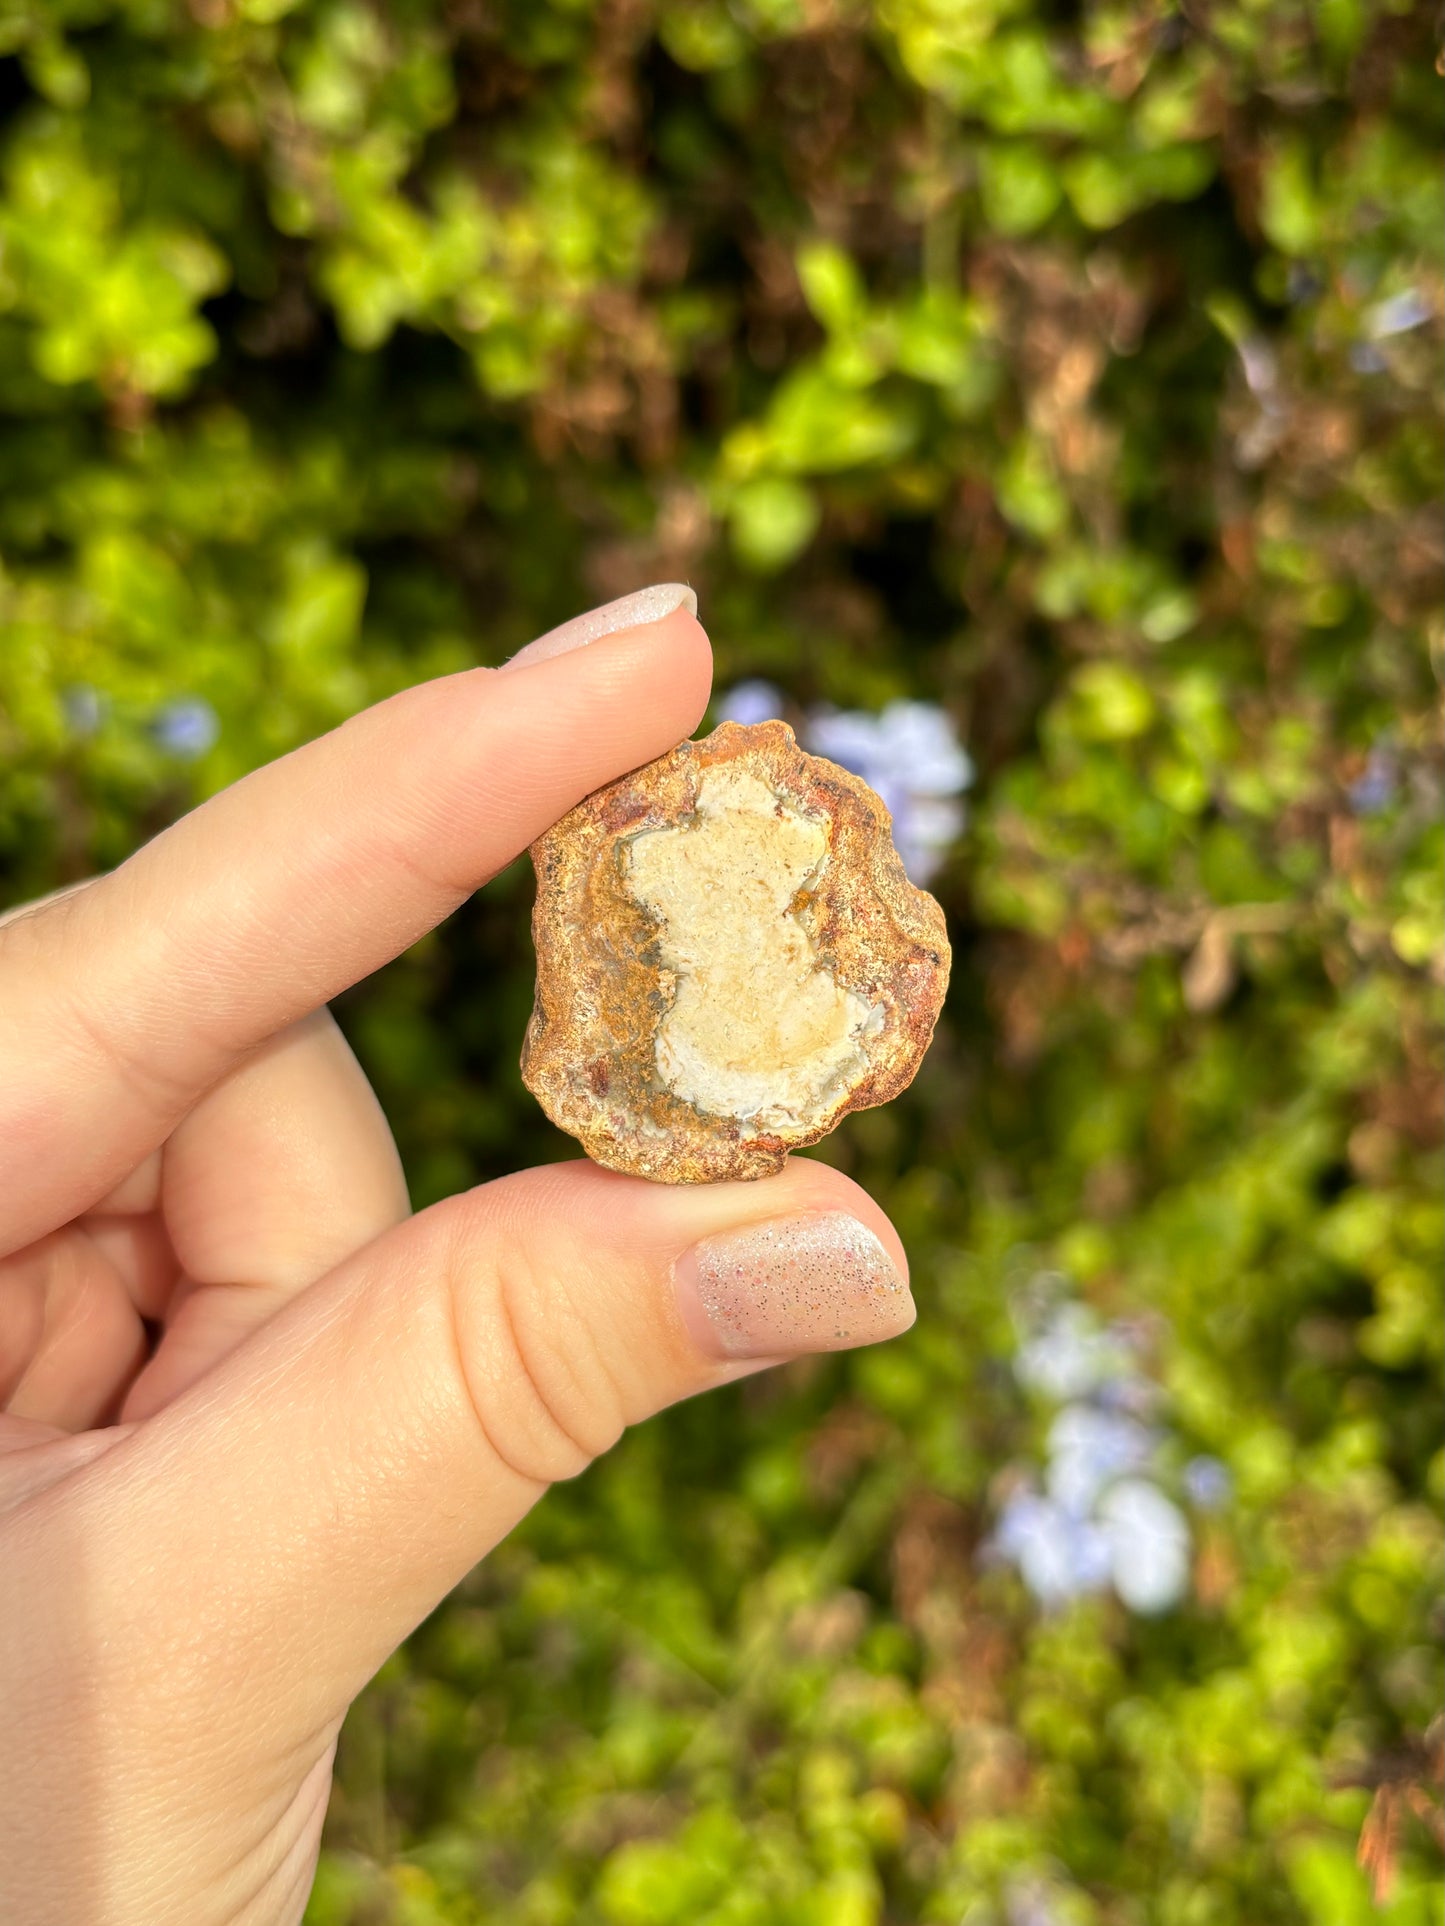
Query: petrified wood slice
[729, 958]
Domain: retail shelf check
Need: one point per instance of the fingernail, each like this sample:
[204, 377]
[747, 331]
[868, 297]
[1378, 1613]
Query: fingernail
[628, 612]
[822, 1282]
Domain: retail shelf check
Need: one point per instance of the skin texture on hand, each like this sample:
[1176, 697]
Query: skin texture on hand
[258, 1420]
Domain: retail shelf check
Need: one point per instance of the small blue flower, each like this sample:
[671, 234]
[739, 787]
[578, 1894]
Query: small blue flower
[849, 737]
[917, 739]
[1365, 358]
[1101, 1521]
[1030, 1901]
[1148, 1545]
[188, 727]
[1072, 1356]
[1398, 315]
[752, 701]
[1128, 1390]
[911, 757]
[924, 829]
[1375, 789]
[1058, 1555]
[1207, 1483]
[911, 745]
[1089, 1449]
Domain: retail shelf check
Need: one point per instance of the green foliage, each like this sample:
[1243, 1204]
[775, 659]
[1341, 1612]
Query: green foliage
[1075, 367]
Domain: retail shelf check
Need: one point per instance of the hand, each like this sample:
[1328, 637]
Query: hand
[260, 1420]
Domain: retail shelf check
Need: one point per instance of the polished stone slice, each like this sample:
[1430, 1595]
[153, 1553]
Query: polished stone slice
[729, 958]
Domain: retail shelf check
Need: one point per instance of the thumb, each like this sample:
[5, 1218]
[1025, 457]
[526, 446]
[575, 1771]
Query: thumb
[314, 1497]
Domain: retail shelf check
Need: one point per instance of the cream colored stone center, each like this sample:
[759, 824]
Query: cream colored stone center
[757, 1029]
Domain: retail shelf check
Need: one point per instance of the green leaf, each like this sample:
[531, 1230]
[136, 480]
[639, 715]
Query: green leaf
[1020, 184]
[1111, 703]
[1289, 210]
[1029, 494]
[832, 286]
[772, 520]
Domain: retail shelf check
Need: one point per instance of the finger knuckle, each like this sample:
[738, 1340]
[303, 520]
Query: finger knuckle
[536, 1378]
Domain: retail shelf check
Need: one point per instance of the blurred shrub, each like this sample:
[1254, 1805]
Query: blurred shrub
[1074, 367]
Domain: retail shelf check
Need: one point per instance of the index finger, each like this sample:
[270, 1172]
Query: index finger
[122, 1002]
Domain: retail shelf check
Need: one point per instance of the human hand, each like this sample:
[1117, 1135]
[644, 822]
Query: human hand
[260, 1420]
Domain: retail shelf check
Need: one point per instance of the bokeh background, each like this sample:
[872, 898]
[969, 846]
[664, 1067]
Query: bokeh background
[1070, 372]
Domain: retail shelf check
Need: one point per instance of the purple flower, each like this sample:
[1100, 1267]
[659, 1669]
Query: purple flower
[1029, 1901]
[917, 739]
[188, 727]
[1089, 1449]
[1072, 1355]
[1058, 1555]
[911, 747]
[1148, 1545]
[1398, 315]
[1130, 1392]
[1207, 1483]
[911, 756]
[1100, 1521]
[849, 737]
[1375, 789]
[924, 829]
[749, 702]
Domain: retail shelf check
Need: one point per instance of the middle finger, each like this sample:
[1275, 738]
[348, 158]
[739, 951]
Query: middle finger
[283, 1169]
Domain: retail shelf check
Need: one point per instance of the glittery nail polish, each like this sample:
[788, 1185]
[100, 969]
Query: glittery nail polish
[821, 1282]
[627, 612]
